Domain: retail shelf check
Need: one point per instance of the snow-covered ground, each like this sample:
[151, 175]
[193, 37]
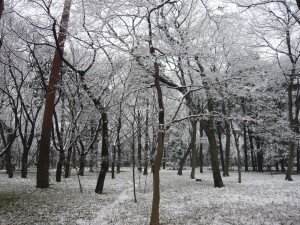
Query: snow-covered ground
[260, 199]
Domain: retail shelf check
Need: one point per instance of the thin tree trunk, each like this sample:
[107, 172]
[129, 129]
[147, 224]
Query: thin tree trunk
[154, 219]
[42, 177]
[252, 150]
[288, 174]
[236, 140]
[104, 155]
[81, 164]
[24, 167]
[1, 8]
[245, 136]
[68, 162]
[139, 137]
[201, 150]
[227, 149]
[113, 163]
[147, 140]
[182, 161]
[8, 164]
[220, 145]
[298, 159]
[194, 133]
[118, 140]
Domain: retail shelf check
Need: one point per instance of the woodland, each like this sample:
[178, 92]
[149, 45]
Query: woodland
[149, 87]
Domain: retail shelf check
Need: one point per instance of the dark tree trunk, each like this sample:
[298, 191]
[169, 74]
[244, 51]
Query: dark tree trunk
[147, 140]
[153, 150]
[298, 159]
[182, 161]
[154, 219]
[1, 7]
[104, 155]
[277, 166]
[282, 165]
[260, 155]
[42, 177]
[113, 163]
[236, 140]
[245, 136]
[220, 145]
[81, 164]
[288, 174]
[118, 140]
[201, 150]
[194, 133]
[139, 137]
[60, 164]
[68, 162]
[24, 167]
[227, 149]
[8, 164]
[133, 162]
[253, 157]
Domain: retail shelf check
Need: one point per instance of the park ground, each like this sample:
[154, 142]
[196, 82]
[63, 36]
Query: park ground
[261, 198]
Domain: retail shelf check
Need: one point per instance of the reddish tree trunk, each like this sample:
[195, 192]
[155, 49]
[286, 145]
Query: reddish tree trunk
[42, 177]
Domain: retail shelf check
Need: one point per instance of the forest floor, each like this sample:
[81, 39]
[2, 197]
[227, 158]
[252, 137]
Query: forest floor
[261, 198]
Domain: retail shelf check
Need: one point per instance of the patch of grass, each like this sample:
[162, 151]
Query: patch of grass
[6, 199]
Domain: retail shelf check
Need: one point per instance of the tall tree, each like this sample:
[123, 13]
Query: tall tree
[42, 177]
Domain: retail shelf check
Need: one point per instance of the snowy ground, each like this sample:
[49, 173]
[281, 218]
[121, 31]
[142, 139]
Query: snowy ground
[260, 199]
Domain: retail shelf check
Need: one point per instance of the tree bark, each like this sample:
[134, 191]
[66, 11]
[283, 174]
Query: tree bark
[194, 133]
[236, 140]
[182, 161]
[24, 167]
[1, 7]
[113, 162]
[104, 155]
[201, 150]
[220, 145]
[139, 137]
[253, 157]
[147, 140]
[42, 177]
[154, 220]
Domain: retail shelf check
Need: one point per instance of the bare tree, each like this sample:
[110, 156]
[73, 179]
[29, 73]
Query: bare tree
[44, 151]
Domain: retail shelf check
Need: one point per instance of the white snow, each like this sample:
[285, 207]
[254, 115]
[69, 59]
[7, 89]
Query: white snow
[261, 198]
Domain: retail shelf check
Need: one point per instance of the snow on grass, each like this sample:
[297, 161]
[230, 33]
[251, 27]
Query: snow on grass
[260, 199]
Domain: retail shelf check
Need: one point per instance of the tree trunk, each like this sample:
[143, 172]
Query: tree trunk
[194, 128]
[208, 128]
[147, 140]
[182, 161]
[104, 155]
[81, 164]
[113, 163]
[260, 156]
[60, 164]
[24, 167]
[252, 150]
[68, 162]
[8, 164]
[245, 136]
[1, 7]
[201, 150]
[298, 159]
[227, 149]
[288, 175]
[154, 219]
[139, 137]
[118, 140]
[236, 140]
[220, 145]
[42, 177]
